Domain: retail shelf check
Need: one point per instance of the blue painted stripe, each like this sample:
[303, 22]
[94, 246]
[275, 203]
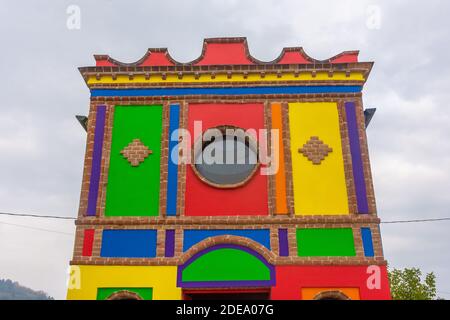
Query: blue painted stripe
[223, 91]
[128, 244]
[366, 236]
[192, 237]
[172, 167]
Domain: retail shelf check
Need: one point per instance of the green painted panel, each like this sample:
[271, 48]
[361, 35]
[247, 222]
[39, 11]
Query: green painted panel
[226, 265]
[327, 242]
[144, 293]
[134, 191]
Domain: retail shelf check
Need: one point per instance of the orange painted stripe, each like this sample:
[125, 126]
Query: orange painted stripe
[280, 177]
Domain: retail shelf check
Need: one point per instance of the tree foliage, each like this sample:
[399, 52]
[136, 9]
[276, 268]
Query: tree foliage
[407, 284]
[10, 290]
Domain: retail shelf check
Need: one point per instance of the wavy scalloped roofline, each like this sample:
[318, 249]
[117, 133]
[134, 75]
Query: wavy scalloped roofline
[226, 51]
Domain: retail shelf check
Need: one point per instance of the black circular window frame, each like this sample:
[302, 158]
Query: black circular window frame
[199, 145]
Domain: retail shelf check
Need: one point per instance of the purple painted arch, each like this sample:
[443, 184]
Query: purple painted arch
[221, 284]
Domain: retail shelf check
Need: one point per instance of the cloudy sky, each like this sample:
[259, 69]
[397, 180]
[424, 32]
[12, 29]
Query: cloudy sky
[42, 145]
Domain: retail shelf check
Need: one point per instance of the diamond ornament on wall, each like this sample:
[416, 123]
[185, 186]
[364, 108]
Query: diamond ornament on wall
[315, 150]
[136, 152]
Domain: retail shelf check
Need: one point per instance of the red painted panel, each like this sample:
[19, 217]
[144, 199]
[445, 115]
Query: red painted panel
[290, 280]
[104, 63]
[293, 57]
[204, 200]
[88, 242]
[346, 58]
[156, 59]
[224, 53]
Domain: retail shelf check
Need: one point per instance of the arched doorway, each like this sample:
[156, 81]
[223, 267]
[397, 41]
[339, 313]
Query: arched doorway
[331, 295]
[124, 295]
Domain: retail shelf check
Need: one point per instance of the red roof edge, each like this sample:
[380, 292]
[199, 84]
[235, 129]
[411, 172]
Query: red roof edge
[226, 51]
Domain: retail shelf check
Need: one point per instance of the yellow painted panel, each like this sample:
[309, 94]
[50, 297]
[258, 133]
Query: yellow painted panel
[310, 293]
[222, 77]
[86, 279]
[318, 189]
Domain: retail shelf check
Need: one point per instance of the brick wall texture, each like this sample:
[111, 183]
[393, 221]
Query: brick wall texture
[273, 222]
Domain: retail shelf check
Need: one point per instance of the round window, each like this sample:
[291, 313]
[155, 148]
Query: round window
[226, 157]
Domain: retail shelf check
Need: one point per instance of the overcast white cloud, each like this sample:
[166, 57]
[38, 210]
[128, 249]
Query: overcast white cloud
[42, 145]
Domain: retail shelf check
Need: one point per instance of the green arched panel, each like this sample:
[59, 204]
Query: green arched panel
[228, 264]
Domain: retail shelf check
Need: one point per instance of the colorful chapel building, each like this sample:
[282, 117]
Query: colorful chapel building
[150, 227]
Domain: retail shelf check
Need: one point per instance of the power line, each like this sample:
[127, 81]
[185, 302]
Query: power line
[416, 221]
[72, 218]
[34, 228]
[35, 216]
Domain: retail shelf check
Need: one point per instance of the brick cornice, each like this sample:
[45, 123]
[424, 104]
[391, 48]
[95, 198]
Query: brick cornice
[262, 98]
[230, 220]
[279, 261]
[354, 66]
[211, 71]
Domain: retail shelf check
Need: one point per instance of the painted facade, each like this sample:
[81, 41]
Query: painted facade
[152, 228]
